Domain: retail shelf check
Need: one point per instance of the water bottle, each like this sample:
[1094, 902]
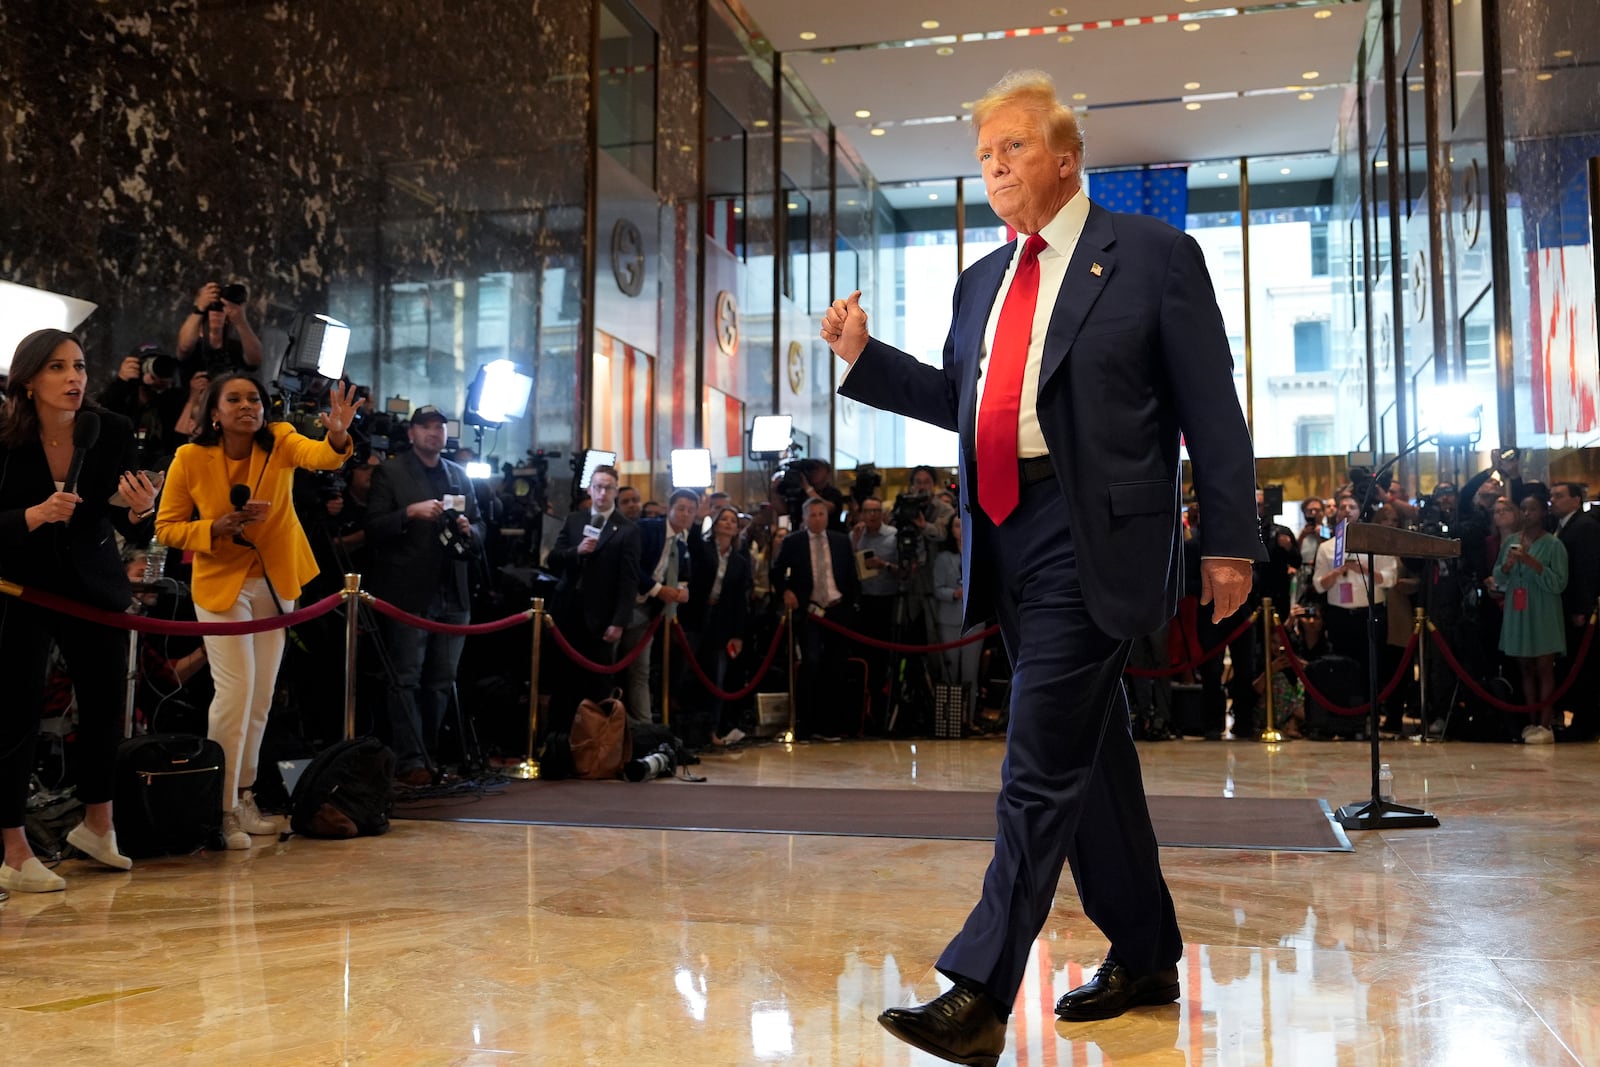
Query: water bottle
[155, 563]
[1385, 783]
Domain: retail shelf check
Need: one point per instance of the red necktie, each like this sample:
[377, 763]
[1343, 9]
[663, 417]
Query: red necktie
[998, 489]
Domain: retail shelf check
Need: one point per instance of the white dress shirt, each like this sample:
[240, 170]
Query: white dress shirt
[1061, 236]
[1350, 590]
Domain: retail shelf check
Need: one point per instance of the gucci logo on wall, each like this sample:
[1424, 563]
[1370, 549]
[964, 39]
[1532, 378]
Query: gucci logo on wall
[727, 323]
[1419, 284]
[797, 367]
[1471, 205]
[627, 257]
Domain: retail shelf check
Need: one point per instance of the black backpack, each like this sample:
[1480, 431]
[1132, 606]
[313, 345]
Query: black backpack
[347, 791]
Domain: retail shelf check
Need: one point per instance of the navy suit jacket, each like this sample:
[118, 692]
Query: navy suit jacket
[652, 535]
[1136, 353]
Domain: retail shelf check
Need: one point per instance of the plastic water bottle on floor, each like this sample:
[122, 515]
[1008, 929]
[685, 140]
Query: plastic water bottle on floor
[155, 563]
[1385, 783]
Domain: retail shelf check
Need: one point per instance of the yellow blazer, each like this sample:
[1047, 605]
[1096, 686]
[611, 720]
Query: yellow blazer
[198, 485]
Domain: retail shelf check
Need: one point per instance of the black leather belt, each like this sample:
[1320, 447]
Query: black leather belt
[1035, 469]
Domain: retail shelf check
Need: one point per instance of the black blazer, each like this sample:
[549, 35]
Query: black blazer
[792, 569]
[599, 588]
[1581, 538]
[1136, 353]
[78, 559]
[406, 556]
[652, 535]
[728, 617]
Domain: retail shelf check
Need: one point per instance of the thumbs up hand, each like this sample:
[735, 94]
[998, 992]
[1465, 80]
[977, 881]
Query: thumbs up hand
[844, 327]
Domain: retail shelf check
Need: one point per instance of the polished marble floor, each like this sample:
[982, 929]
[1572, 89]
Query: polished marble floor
[1475, 943]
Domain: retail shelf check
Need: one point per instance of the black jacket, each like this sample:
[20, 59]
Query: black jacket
[407, 555]
[1581, 538]
[597, 589]
[78, 559]
[729, 616]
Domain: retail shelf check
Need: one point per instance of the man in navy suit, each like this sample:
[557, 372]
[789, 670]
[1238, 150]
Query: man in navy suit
[663, 587]
[831, 593]
[1076, 356]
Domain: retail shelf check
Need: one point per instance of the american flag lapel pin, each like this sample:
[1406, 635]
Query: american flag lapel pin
[1095, 270]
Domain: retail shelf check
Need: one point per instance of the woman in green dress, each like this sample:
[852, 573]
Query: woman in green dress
[1532, 572]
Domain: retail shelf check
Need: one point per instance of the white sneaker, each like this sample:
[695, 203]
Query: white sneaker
[1528, 729]
[31, 877]
[233, 835]
[251, 821]
[1538, 735]
[733, 736]
[102, 848]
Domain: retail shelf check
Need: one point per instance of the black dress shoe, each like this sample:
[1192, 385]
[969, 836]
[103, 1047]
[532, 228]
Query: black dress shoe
[1114, 989]
[960, 1026]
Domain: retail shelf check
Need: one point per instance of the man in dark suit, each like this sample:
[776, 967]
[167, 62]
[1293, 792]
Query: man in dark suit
[831, 593]
[416, 498]
[1580, 536]
[1076, 357]
[663, 588]
[596, 556]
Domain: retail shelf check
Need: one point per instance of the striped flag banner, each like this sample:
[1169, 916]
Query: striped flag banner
[624, 413]
[724, 426]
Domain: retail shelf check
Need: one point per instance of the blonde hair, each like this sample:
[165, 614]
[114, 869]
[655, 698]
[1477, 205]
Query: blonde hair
[1034, 91]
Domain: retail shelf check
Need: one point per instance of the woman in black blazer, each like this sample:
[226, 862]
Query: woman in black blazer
[725, 571]
[62, 542]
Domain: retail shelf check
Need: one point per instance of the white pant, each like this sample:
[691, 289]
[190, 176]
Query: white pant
[245, 670]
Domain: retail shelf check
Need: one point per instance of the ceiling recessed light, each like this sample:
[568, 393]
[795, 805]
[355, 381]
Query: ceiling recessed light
[1192, 106]
[945, 51]
[1191, 27]
[737, 210]
[1283, 170]
[1065, 38]
[1057, 12]
[1543, 76]
[1191, 86]
[933, 196]
[1222, 174]
[1322, 15]
[761, 124]
[966, 105]
[1307, 96]
[849, 203]
[794, 207]
[1415, 88]
[691, 48]
[808, 35]
[1382, 163]
[1310, 75]
[930, 24]
[876, 131]
[863, 113]
[827, 61]
[1565, 53]
[1080, 96]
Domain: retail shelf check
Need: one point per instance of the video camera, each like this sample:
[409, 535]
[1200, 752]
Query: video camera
[908, 508]
[790, 481]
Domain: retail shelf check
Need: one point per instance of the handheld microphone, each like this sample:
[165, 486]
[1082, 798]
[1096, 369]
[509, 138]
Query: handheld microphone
[239, 496]
[85, 433]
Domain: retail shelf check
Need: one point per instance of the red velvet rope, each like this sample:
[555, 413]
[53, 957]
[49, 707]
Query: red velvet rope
[1495, 702]
[705, 679]
[1211, 654]
[1298, 666]
[121, 620]
[383, 607]
[603, 668]
[895, 646]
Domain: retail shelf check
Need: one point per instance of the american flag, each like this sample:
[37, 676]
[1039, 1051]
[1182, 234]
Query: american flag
[624, 412]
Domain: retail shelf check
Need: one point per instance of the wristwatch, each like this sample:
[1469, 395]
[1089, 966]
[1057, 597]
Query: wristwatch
[141, 516]
[194, 309]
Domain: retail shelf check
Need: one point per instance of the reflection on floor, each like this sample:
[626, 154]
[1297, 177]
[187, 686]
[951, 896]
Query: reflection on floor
[1476, 943]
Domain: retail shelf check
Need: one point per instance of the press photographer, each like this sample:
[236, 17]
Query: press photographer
[423, 527]
[215, 335]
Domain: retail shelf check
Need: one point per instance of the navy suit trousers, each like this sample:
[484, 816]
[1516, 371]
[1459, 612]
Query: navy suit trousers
[1071, 792]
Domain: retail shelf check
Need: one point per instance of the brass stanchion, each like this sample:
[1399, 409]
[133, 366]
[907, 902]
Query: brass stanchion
[788, 624]
[529, 767]
[10, 588]
[1269, 619]
[666, 669]
[352, 635]
[1421, 632]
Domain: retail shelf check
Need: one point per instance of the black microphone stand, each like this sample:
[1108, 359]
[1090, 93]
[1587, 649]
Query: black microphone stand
[1376, 813]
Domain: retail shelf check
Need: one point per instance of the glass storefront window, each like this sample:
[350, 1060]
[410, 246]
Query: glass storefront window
[628, 89]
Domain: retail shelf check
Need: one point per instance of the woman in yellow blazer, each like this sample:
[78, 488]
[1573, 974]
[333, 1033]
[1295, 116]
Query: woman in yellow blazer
[249, 562]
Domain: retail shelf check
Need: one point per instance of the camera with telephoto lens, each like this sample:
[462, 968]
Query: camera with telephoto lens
[233, 294]
[657, 764]
[457, 545]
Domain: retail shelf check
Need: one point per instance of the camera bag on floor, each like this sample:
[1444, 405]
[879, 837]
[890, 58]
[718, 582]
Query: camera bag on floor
[347, 791]
[1338, 678]
[600, 740]
[167, 794]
